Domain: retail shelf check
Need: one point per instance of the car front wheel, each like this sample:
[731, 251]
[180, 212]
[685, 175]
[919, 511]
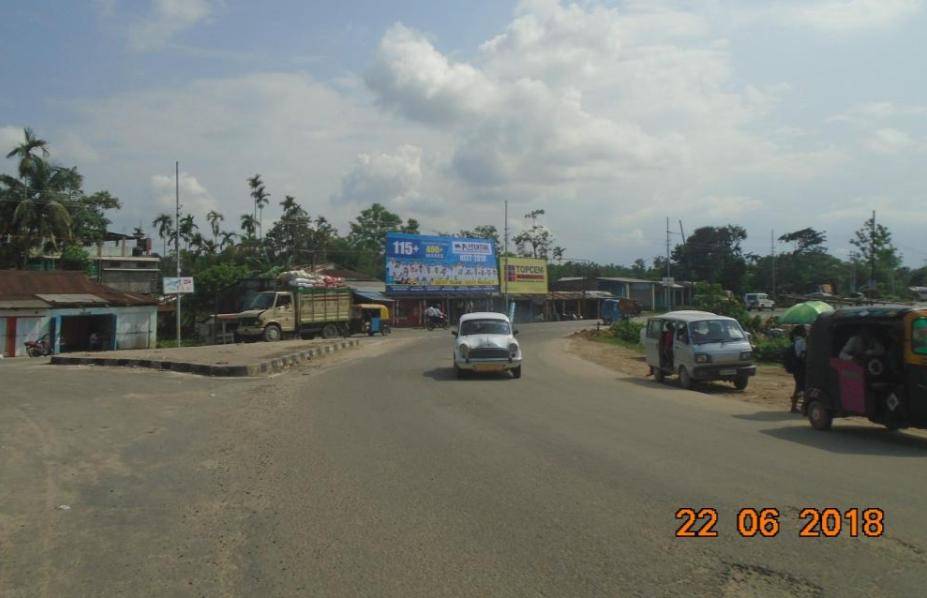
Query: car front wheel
[685, 379]
[516, 372]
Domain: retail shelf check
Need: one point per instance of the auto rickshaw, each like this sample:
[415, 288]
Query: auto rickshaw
[371, 318]
[868, 361]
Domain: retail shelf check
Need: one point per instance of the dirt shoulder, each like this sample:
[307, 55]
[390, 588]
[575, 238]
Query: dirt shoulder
[771, 386]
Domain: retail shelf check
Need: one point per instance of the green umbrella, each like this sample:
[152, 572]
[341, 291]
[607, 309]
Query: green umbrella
[805, 313]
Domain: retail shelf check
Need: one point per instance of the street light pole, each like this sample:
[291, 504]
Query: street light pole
[177, 240]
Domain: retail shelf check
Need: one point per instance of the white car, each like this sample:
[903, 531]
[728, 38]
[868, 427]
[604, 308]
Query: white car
[486, 343]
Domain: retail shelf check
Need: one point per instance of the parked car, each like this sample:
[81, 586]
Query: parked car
[485, 342]
[759, 302]
[698, 346]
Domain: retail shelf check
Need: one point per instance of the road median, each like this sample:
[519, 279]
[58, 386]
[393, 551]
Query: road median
[239, 360]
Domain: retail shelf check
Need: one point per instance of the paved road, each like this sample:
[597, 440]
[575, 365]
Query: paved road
[378, 473]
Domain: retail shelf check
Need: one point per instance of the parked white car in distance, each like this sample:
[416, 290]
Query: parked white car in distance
[486, 343]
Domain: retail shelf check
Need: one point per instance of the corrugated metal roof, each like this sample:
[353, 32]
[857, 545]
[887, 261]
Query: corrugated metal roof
[22, 304]
[24, 284]
[71, 298]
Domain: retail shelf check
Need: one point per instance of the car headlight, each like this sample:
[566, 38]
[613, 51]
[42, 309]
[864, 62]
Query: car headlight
[513, 350]
[746, 356]
[464, 351]
[702, 358]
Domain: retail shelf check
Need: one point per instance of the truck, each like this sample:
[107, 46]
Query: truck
[296, 312]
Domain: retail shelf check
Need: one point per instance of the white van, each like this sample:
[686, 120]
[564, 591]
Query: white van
[704, 346]
[759, 302]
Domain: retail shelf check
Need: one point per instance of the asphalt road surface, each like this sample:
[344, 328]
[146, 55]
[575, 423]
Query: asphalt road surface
[378, 473]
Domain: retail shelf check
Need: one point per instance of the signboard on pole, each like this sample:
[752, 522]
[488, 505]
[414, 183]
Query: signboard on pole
[523, 275]
[182, 285]
[420, 264]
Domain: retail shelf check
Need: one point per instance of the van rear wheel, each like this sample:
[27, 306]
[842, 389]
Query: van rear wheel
[329, 331]
[740, 382]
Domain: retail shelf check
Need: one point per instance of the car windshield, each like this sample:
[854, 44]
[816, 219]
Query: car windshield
[471, 327]
[715, 331]
[262, 301]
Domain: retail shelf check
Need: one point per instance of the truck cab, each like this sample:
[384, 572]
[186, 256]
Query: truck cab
[270, 315]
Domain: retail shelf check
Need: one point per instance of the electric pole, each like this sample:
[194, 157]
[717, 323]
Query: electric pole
[505, 260]
[872, 230]
[177, 240]
[668, 292]
[772, 253]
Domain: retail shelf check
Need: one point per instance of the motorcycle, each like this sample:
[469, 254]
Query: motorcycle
[438, 322]
[39, 348]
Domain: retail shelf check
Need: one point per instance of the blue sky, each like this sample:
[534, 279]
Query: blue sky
[611, 116]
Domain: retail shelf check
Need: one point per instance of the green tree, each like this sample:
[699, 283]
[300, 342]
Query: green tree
[164, 224]
[73, 257]
[367, 237]
[26, 151]
[227, 240]
[248, 225]
[537, 241]
[187, 227]
[40, 218]
[875, 253]
[88, 215]
[214, 218]
[483, 231]
[712, 254]
[261, 198]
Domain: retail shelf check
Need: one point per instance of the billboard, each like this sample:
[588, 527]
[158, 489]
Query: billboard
[173, 285]
[421, 264]
[523, 275]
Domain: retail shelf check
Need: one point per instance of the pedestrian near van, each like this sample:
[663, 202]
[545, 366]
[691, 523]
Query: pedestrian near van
[794, 361]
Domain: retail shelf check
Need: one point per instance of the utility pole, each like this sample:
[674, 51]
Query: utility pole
[872, 229]
[667, 291]
[772, 253]
[177, 240]
[505, 260]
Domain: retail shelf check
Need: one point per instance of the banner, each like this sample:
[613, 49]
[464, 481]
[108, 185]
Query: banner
[440, 265]
[173, 285]
[524, 275]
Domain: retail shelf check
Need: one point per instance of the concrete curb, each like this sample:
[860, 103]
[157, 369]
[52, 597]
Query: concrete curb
[257, 368]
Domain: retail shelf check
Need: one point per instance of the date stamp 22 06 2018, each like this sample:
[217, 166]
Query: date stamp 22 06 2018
[829, 522]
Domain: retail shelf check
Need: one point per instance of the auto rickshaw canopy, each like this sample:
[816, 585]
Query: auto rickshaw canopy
[382, 310]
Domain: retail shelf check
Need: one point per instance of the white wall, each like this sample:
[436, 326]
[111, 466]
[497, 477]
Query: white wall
[136, 327]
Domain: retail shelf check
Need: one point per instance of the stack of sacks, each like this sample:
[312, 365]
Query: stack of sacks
[303, 279]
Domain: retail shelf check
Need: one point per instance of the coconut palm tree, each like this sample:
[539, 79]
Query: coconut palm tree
[228, 239]
[165, 225]
[25, 151]
[197, 242]
[249, 225]
[261, 198]
[41, 215]
[187, 227]
[214, 219]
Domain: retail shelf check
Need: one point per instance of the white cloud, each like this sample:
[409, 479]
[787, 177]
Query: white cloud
[891, 141]
[383, 178]
[166, 19]
[10, 137]
[848, 15]
[873, 112]
[194, 197]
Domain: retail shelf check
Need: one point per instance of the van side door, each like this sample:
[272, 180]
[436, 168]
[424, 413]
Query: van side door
[652, 341]
[682, 347]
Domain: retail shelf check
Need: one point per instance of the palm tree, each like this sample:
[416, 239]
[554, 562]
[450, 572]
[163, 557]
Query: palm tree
[41, 215]
[165, 225]
[197, 242]
[261, 198]
[214, 219]
[249, 225]
[187, 226]
[25, 151]
[289, 205]
[228, 239]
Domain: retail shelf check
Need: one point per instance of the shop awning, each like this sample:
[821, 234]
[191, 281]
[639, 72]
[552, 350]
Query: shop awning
[373, 296]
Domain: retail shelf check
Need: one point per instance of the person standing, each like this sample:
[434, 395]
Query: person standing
[795, 363]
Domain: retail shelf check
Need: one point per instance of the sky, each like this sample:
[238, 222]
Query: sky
[610, 116]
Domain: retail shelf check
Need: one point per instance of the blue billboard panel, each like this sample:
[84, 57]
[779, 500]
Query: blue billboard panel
[440, 265]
